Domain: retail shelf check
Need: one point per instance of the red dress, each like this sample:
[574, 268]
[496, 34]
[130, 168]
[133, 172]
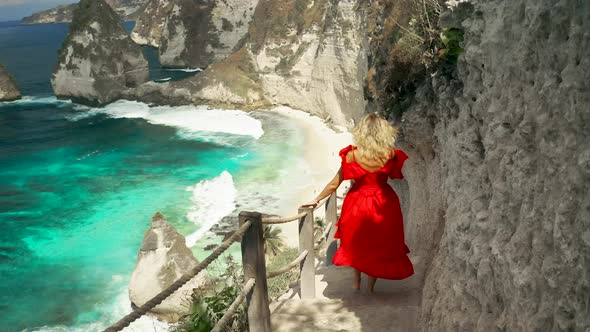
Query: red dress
[371, 227]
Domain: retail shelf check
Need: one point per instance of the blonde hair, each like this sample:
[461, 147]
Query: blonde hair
[374, 137]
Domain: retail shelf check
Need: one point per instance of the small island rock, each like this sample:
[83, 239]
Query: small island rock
[162, 259]
[8, 88]
[98, 59]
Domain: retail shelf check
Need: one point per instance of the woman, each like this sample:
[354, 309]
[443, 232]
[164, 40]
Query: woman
[371, 228]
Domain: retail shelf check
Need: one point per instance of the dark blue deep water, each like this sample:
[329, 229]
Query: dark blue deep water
[79, 185]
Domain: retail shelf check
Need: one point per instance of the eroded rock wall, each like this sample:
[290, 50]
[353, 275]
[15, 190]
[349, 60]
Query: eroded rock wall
[198, 32]
[499, 173]
[98, 59]
[311, 55]
[150, 24]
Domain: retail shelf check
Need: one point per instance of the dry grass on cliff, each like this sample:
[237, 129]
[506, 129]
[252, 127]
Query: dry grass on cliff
[405, 38]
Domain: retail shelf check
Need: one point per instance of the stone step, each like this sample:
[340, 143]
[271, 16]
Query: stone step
[394, 306]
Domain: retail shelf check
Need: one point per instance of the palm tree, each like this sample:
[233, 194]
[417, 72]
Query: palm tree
[273, 241]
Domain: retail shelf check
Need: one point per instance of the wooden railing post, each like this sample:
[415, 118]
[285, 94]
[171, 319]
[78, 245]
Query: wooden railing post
[331, 219]
[254, 266]
[306, 242]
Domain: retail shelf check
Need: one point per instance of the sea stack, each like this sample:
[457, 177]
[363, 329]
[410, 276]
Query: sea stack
[198, 32]
[98, 59]
[162, 259]
[8, 88]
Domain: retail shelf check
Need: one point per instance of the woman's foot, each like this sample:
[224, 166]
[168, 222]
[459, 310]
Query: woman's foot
[357, 280]
[371, 282]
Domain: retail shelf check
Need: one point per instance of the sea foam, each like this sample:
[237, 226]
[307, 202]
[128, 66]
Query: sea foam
[193, 121]
[212, 200]
[186, 70]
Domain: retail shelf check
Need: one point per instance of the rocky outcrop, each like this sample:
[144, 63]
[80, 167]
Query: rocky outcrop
[162, 259]
[98, 59]
[8, 89]
[309, 55]
[127, 9]
[59, 14]
[149, 25]
[499, 172]
[197, 33]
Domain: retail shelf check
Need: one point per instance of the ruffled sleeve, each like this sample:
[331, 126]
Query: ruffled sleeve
[399, 158]
[346, 171]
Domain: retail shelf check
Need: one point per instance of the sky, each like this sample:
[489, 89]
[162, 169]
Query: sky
[14, 10]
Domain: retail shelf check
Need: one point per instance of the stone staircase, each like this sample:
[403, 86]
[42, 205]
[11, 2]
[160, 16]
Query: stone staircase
[393, 307]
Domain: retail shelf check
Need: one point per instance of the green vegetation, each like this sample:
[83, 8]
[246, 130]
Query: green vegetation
[273, 240]
[211, 301]
[408, 46]
[452, 40]
[280, 284]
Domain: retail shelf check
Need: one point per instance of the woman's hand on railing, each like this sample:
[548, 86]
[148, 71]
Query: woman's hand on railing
[311, 204]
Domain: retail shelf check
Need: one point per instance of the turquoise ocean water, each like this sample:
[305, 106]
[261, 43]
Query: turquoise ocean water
[79, 185]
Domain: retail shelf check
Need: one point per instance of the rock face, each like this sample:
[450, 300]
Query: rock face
[499, 172]
[98, 59]
[198, 32]
[309, 55]
[127, 9]
[8, 88]
[163, 259]
[149, 25]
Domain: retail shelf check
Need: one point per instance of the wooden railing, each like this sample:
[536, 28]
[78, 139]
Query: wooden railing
[255, 289]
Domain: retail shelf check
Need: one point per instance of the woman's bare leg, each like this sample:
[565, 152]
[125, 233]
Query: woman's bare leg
[371, 283]
[357, 280]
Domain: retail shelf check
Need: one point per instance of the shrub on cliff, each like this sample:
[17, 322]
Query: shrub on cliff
[210, 303]
[407, 45]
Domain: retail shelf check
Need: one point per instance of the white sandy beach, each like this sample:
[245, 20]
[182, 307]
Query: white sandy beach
[322, 145]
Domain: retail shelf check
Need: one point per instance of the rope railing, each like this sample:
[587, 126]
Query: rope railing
[284, 220]
[289, 266]
[234, 306]
[149, 305]
[255, 290]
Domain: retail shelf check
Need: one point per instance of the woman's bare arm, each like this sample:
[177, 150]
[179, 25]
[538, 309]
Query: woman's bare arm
[328, 189]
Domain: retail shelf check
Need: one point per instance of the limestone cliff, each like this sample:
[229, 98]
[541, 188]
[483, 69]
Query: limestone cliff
[149, 25]
[162, 259]
[98, 59]
[198, 32]
[8, 89]
[310, 55]
[499, 172]
[127, 9]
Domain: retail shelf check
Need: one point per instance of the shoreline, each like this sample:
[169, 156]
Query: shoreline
[320, 153]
